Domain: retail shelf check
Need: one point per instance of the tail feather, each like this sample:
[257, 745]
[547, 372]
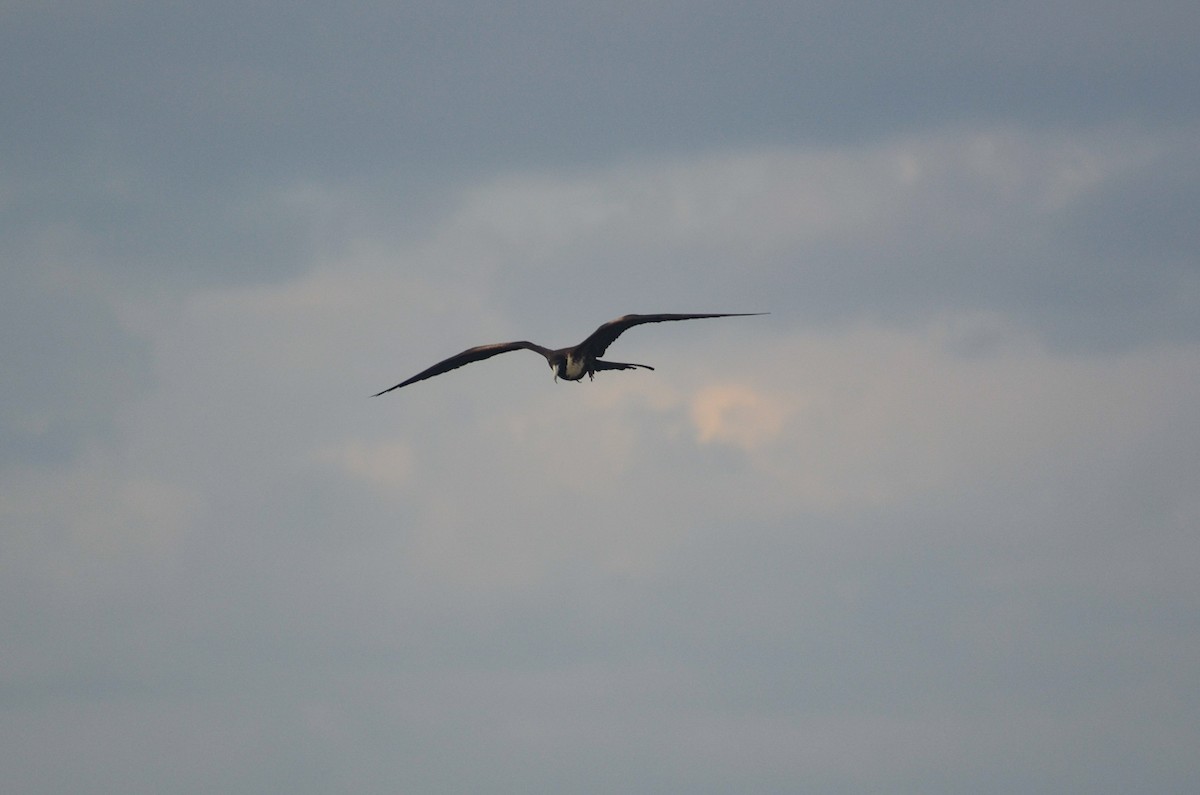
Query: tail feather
[603, 365]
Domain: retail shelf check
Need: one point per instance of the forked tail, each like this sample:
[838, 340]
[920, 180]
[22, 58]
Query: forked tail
[603, 365]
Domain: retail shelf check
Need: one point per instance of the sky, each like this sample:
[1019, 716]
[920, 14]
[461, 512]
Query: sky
[930, 526]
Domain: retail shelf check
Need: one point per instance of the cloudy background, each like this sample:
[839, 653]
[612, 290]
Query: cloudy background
[928, 527]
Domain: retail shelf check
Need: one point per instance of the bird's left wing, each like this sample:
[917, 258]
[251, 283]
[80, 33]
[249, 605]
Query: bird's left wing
[476, 354]
[601, 338]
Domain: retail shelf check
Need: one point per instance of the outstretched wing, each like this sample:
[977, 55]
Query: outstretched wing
[476, 354]
[601, 338]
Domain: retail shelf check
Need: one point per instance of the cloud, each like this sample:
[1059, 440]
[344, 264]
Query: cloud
[387, 466]
[69, 362]
[898, 505]
[818, 416]
[981, 220]
[928, 526]
[735, 414]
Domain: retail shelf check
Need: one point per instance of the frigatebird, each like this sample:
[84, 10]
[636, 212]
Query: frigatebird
[570, 364]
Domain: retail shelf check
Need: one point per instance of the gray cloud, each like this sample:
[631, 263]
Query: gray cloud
[68, 363]
[926, 527]
[228, 89]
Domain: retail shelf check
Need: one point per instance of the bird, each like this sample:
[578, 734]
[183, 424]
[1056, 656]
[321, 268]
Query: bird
[569, 364]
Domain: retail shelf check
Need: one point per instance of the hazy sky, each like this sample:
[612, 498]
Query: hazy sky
[932, 526]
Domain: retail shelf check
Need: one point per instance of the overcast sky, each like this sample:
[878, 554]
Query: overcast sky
[931, 526]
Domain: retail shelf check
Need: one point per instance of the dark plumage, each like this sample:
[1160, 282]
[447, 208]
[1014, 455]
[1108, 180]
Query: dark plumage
[571, 364]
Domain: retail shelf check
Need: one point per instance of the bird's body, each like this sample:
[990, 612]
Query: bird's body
[569, 364]
[572, 368]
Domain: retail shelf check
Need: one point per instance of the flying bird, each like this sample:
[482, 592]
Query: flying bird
[570, 364]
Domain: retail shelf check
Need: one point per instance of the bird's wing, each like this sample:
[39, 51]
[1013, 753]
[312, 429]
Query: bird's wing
[601, 338]
[475, 354]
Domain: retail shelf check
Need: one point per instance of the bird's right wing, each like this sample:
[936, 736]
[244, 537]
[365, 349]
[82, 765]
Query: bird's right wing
[476, 354]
